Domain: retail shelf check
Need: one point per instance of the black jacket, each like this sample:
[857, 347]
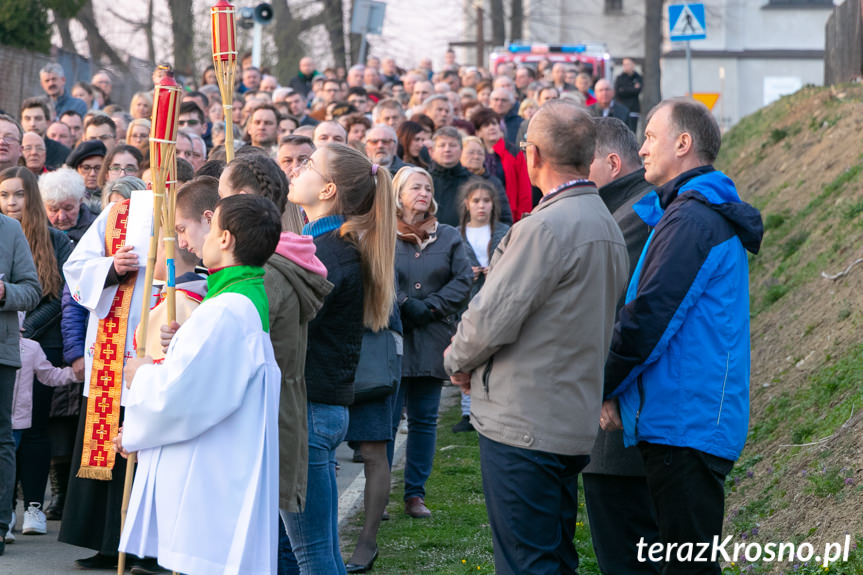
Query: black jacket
[617, 110]
[302, 84]
[55, 153]
[513, 122]
[85, 219]
[336, 333]
[447, 182]
[440, 277]
[397, 165]
[43, 323]
[626, 92]
[609, 457]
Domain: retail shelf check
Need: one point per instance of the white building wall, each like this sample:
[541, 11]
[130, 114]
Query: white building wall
[741, 34]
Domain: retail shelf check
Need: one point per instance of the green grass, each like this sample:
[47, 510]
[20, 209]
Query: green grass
[457, 537]
[816, 409]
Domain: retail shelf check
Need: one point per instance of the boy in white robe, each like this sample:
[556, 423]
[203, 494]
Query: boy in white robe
[205, 422]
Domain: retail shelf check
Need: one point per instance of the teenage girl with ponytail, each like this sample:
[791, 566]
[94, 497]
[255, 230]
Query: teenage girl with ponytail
[351, 212]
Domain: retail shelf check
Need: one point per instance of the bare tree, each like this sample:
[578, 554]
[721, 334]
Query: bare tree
[100, 50]
[335, 23]
[286, 35]
[516, 20]
[183, 29]
[498, 32]
[145, 26]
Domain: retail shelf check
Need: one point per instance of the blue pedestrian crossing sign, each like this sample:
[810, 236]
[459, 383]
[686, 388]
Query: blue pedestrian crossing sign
[686, 22]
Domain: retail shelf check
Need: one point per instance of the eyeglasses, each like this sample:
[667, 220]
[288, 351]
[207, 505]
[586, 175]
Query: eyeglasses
[188, 122]
[28, 149]
[86, 168]
[10, 138]
[381, 141]
[306, 164]
[126, 170]
[524, 144]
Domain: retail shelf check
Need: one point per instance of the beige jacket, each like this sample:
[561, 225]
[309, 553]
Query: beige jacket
[537, 334]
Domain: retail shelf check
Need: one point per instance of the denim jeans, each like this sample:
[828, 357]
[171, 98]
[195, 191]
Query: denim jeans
[314, 533]
[287, 561]
[422, 396]
[465, 404]
[7, 446]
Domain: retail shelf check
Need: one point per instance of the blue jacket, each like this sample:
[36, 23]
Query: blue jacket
[679, 360]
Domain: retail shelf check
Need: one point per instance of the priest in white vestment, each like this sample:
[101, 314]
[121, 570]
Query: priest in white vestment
[205, 422]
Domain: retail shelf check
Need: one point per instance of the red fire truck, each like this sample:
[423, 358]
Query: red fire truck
[595, 57]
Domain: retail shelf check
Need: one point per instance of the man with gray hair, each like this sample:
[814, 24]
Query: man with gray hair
[615, 489]
[439, 109]
[502, 101]
[53, 80]
[448, 176]
[191, 147]
[381, 146]
[535, 382]
[682, 336]
[354, 78]
[389, 112]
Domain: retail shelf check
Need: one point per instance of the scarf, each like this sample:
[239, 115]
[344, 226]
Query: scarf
[245, 280]
[323, 225]
[420, 234]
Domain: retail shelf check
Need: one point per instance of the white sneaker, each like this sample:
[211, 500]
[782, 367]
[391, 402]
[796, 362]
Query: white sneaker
[403, 426]
[34, 520]
[10, 537]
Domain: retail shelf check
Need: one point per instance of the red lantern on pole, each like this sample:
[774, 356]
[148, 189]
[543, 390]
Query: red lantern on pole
[224, 32]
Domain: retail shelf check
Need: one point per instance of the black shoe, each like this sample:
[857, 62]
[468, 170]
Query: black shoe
[385, 516]
[147, 566]
[463, 425]
[361, 568]
[2, 546]
[358, 457]
[97, 561]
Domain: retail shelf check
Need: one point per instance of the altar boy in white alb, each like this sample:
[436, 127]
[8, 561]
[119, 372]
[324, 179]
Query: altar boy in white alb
[204, 423]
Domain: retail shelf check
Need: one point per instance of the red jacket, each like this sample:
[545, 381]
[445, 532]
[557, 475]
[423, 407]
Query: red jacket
[517, 182]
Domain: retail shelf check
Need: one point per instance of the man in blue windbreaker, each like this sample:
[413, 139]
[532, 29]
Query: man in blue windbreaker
[677, 376]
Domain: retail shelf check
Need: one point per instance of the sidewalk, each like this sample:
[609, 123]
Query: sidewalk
[44, 555]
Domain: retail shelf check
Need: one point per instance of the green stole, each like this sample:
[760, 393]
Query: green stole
[245, 280]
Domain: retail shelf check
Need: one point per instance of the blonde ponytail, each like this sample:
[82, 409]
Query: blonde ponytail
[365, 197]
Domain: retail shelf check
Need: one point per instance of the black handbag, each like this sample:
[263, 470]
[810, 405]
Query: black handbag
[380, 367]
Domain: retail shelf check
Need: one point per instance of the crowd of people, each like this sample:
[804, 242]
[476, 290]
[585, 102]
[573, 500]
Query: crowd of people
[380, 232]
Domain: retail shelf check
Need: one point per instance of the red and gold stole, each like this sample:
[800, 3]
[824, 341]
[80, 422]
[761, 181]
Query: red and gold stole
[106, 375]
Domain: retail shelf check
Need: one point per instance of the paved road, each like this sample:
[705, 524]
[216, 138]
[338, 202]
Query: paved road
[44, 555]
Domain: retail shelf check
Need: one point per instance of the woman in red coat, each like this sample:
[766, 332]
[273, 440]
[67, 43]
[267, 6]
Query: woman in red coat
[504, 162]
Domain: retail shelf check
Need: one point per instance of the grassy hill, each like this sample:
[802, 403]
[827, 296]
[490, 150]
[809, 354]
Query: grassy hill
[801, 475]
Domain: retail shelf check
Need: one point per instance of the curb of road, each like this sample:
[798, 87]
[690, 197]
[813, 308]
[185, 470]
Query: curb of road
[351, 500]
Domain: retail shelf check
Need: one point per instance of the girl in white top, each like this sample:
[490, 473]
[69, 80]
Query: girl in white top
[481, 232]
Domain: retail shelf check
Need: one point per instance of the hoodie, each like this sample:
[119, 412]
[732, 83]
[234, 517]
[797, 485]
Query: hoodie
[682, 337]
[296, 285]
